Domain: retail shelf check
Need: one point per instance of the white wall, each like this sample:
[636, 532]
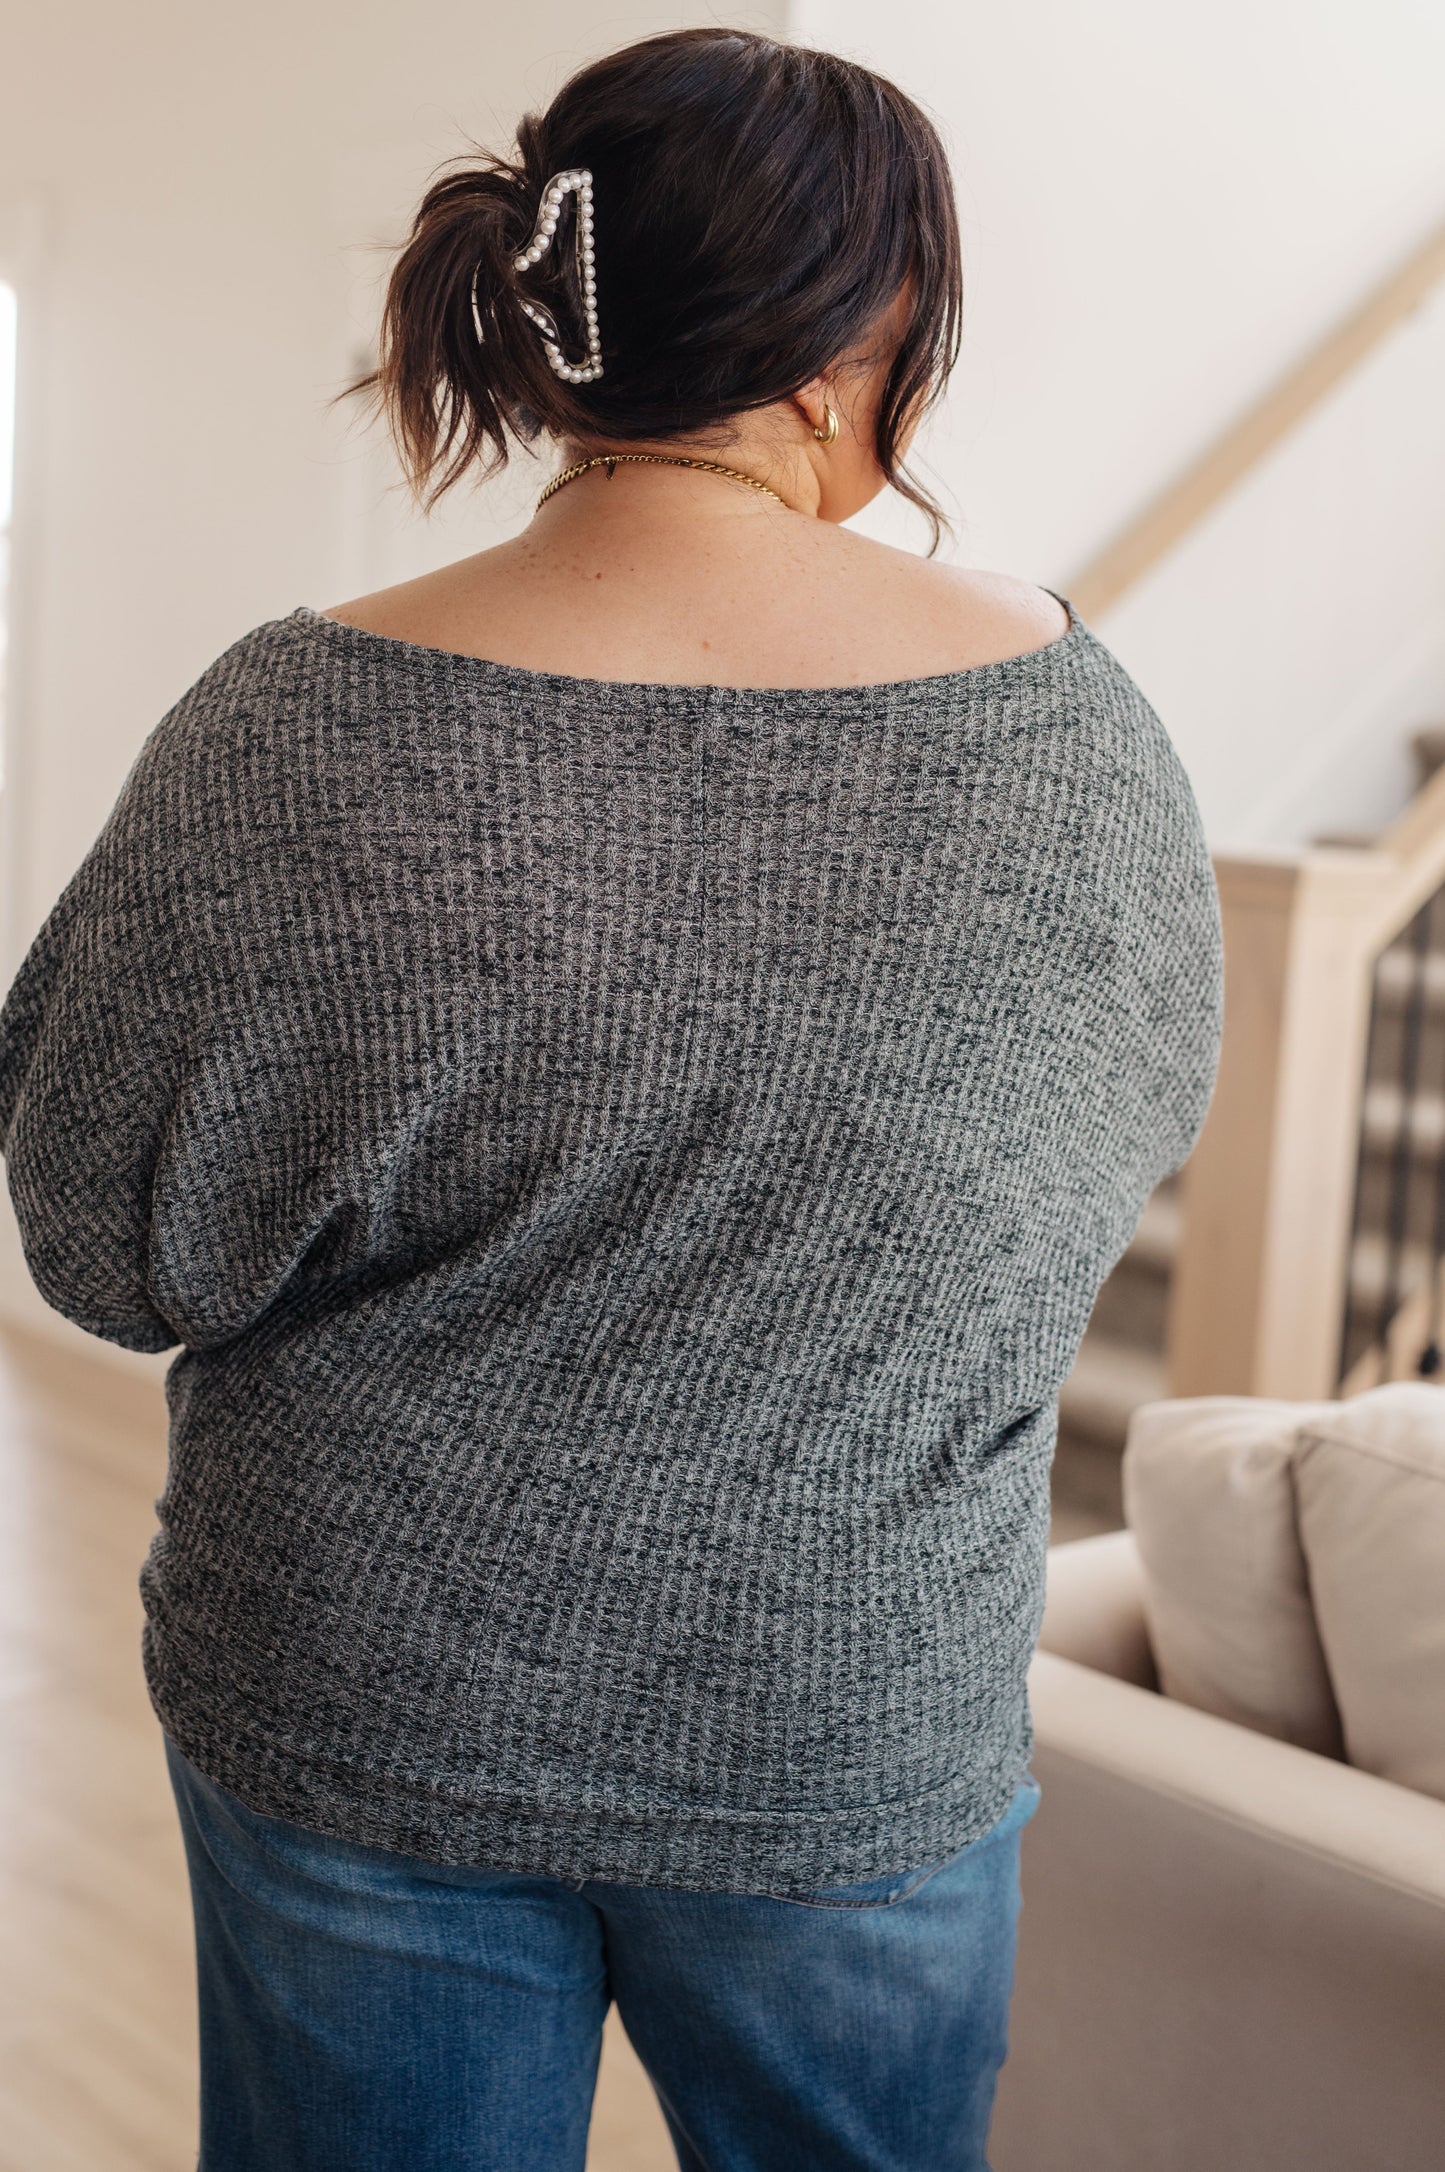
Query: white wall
[1297, 636]
[206, 180]
[1163, 207]
[186, 194]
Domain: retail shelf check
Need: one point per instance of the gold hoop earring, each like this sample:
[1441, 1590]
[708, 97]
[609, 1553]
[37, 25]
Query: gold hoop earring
[830, 432]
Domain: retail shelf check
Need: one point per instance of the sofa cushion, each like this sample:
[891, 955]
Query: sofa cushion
[1209, 1495]
[1370, 1483]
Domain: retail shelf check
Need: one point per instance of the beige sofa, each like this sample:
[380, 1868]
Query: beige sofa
[1232, 1949]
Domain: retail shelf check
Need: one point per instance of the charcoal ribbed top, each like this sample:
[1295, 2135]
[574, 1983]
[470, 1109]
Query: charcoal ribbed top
[629, 1167]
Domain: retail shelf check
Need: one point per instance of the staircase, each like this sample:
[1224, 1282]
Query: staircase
[1399, 1220]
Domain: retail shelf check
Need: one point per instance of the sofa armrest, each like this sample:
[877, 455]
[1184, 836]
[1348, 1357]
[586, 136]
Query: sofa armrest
[1232, 1951]
[1290, 1797]
[1094, 1608]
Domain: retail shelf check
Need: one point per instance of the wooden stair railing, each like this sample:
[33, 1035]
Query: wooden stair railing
[1183, 503]
[1250, 1296]
[1263, 1269]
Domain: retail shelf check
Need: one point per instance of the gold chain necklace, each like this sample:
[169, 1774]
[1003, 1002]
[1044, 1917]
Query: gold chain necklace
[664, 460]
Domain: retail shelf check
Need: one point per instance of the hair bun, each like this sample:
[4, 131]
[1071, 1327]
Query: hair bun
[714, 301]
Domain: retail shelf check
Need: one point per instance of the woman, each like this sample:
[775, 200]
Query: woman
[622, 1064]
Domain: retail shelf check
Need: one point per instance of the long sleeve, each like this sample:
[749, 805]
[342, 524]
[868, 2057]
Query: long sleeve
[104, 1026]
[629, 1168]
[88, 1060]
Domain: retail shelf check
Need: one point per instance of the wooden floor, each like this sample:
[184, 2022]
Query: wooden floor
[97, 2058]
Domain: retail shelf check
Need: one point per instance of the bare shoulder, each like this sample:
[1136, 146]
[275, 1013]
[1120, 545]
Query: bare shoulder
[402, 609]
[824, 606]
[1033, 616]
[960, 613]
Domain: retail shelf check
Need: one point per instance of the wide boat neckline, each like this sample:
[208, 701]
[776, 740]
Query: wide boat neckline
[694, 688]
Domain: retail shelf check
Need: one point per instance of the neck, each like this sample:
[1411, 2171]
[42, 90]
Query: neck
[635, 485]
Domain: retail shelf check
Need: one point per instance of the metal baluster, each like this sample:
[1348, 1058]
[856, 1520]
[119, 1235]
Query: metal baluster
[1354, 1329]
[1403, 1156]
[1432, 1357]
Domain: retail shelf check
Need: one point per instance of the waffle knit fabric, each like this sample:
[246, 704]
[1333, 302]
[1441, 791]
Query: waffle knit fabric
[628, 1168]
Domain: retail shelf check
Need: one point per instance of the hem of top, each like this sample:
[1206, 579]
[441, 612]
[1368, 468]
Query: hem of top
[306, 614]
[777, 1853]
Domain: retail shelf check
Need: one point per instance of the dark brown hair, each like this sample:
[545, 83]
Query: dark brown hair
[758, 208]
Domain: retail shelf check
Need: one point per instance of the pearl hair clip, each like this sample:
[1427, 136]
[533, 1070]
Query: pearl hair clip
[576, 181]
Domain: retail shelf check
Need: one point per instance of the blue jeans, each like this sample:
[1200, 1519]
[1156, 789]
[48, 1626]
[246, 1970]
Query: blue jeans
[363, 2011]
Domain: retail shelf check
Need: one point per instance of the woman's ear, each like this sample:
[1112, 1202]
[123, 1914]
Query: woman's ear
[810, 401]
